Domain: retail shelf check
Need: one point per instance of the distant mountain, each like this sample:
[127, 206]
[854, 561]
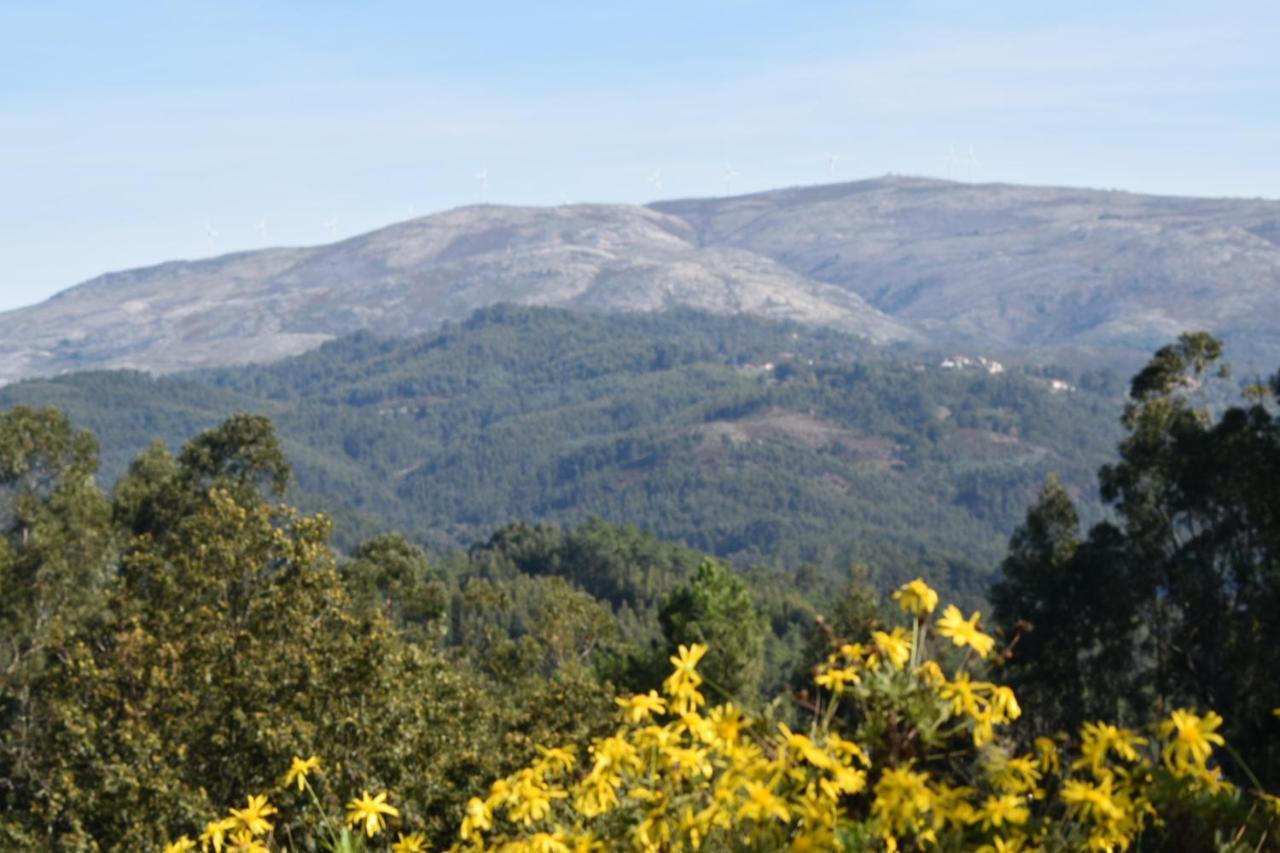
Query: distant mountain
[1023, 269]
[1035, 272]
[762, 441]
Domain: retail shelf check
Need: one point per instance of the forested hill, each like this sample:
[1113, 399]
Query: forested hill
[752, 439]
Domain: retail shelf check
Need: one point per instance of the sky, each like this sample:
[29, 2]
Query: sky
[132, 134]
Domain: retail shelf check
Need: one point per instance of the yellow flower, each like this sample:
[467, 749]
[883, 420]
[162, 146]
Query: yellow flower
[1191, 739]
[844, 780]
[1021, 775]
[215, 833]
[641, 706]
[415, 843]
[1048, 753]
[243, 841]
[931, 673]
[983, 728]
[182, 845]
[727, 723]
[558, 758]
[1011, 774]
[299, 769]
[682, 684]
[961, 694]
[683, 761]
[896, 646]
[805, 747]
[902, 798]
[686, 660]
[916, 598]
[964, 632]
[847, 749]
[1006, 808]
[478, 818]
[853, 651]
[254, 816]
[1005, 704]
[532, 800]
[544, 842]
[1095, 799]
[369, 811]
[761, 804]
[1097, 738]
[836, 678]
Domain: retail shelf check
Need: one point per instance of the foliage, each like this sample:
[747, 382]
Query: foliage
[163, 664]
[168, 649]
[54, 537]
[500, 589]
[389, 575]
[1177, 601]
[839, 454]
[715, 610]
[931, 765]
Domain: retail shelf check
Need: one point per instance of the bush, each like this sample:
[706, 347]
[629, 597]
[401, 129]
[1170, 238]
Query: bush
[894, 755]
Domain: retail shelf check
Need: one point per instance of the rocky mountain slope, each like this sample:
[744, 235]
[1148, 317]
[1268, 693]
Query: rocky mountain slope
[1022, 267]
[1037, 272]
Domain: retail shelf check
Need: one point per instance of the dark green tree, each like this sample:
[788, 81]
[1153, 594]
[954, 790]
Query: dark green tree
[715, 608]
[1062, 602]
[226, 643]
[390, 575]
[242, 453]
[849, 616]
[55, 552]
[54, 535]
[1177, 602]
[242, 456]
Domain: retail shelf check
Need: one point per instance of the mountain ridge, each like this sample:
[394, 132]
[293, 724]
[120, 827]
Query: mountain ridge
[1024, 272]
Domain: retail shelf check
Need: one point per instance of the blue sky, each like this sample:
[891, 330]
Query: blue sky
[128, 130]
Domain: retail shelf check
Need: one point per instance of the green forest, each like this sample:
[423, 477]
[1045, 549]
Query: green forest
[764, 443]
[170, 644]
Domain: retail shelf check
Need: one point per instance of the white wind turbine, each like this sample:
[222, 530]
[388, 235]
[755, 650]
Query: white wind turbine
[483, 177]
[971, 161]
[210, 234]
[261, 228]
[729, 174]
[832, 160]
[655, 180]
[331, 225]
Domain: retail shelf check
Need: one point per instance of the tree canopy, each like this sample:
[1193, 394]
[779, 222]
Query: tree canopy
[1176, 601]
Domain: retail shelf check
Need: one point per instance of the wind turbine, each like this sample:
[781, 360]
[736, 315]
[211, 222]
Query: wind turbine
[832, 159]
[210, 234]
[971, 160]
[729, 174]
[261, 228]
[952, 161]
[483, 177]
[332, 225]
[655, 179]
